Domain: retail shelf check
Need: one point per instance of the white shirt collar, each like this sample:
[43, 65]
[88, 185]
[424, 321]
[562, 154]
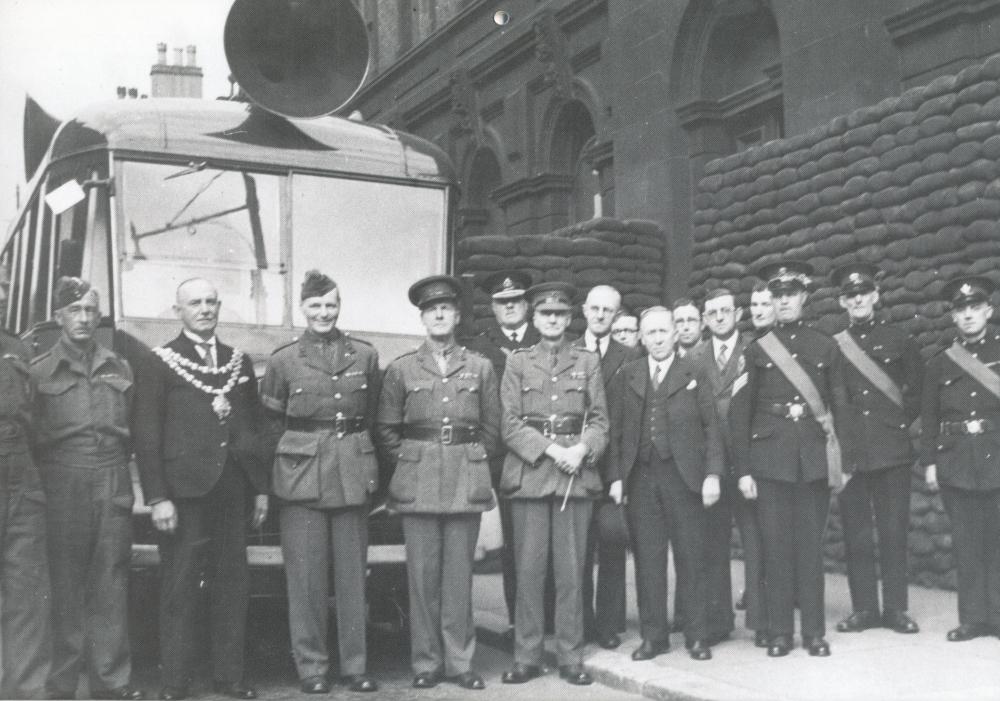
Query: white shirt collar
[596, 344]
[730, 344]
[518, 332]
[665, 364]
[195, 339]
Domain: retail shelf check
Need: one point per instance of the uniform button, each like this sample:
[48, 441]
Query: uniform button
[337, 395]
[866, 412]
[902, 425]
[445, 400]
[795, 355]
[555, 379]
[864, 335]
[972, 394]
[335, 378]
[446, 420]
[792, 336]
[972, 413]
[555, 397]
[222, 444]
[864, 391]
[444, 380]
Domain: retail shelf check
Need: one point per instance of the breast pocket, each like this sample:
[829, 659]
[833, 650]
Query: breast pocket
[467, 397]
[419, 402]
[114, 399]
[60, 404]
[403, 487]
[574, 398]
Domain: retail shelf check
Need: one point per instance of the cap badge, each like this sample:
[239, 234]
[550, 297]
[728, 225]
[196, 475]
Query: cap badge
[508, 284]
[966, 289]
[855, 278]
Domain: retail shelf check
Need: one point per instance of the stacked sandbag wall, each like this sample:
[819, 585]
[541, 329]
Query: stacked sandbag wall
[627, 255]
[911, 184]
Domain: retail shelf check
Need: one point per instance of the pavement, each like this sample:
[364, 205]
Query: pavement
[877, 664]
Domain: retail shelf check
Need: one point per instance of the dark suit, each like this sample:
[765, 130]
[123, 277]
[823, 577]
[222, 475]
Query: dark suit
[209, 467]
[878, 496]
[608, 535]
[731, 505]
[664, 481]
[496, 345]
[788, 460]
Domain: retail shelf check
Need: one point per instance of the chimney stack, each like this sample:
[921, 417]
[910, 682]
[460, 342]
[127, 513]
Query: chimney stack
[178, 79]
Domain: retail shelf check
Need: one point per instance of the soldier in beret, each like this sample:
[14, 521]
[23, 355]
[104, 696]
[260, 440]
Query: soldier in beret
[509, 331]
[883, 374]
[960, 449]
[25, 645]
[320, 395]
[784, 417]
[555, 425]
[439, 417]
[84, 443]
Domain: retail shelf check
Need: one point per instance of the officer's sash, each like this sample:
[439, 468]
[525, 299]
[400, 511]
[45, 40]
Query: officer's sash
[871, 370]
[794, 373]
[976, 368]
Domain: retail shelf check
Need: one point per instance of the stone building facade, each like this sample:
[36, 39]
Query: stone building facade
[628, 100]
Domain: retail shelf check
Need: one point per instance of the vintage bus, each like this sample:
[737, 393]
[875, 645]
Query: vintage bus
[139, 195]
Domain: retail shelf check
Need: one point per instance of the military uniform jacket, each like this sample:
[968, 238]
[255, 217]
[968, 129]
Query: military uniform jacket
[497, 346]
[430, 476]
[881, 437]
[721, 382]
[181, 444]
[950, 394]
[306, 387]
[775, 447]
[82, 413]
[17, 394]
[533, 388]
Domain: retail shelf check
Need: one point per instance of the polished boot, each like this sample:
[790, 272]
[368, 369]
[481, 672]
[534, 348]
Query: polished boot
[760, 638]
[899, 622]
[967, 631]
[699, 650]
[426, 680]
[520, 673]
[859, 621]
[173, 693]
[575, 674]
[817, 647]
[609, 642]
[361, 683]
[234, 690]
[649, 649]
[314, 685]
[779, 646]
[122, 693]
[468, 680]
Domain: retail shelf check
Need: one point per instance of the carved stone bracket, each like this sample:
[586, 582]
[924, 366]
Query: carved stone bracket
[464, 112]
[551, 51]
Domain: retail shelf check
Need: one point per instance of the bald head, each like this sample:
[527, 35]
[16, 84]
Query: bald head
[600, 309]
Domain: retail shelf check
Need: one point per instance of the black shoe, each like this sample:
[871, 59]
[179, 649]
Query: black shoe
[817, 647]
[234, 690]
[760, 638]
[649, 649]
[314, 685]
[520, 673]
[700, 650]
[361, 683]
[779, 646]
[859, 621]
[899, 622]
[575, 674]
[125, 692]
[468, 680]
[741, 601]
[426, 680]
[609, 642]
[173, 693]
[967, 631]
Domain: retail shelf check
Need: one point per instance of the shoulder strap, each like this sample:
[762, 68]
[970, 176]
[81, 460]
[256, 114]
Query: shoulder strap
[791, 369]
[871, 370]
[975, 368]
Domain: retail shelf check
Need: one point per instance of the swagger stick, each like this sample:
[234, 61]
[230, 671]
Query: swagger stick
[569, 485]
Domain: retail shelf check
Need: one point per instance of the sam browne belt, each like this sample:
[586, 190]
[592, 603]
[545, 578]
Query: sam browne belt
[557, 424]
[971, 427]
[788, 410]
[446, 435]
[342, 425]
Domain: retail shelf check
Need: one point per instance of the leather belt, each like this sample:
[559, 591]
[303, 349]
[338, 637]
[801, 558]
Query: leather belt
[788, 410]
[557, 425]
[342, 425]
[446, 435]
[971, 427]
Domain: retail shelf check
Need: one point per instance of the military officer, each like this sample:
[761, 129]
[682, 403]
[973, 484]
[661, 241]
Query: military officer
[883, 374]
[960, 448]
[25, 646]
[555, 426]
[439, 415]
[783, 418]
[320, 395]
[509, 331]
[84, 444]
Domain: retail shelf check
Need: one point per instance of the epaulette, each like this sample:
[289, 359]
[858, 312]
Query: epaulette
[409, 352]
[285, 345]
[40, 358]
[355, 339]
[522, 350]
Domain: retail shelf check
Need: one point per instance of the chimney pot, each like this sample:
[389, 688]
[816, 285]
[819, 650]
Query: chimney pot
[192, 52]
[133, 93]
[121, 92]
[161, 53]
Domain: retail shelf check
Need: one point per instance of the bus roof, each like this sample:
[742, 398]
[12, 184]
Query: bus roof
[219, 130]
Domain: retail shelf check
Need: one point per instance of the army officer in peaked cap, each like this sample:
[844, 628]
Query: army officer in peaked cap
[439, 417]
[320, 395]
[555, 426]
[782, 419]
[883, 373]
[960, 449]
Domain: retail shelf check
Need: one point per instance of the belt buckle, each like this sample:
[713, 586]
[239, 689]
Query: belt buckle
[446, 435]
[549, 427]
[796, 411]
[340, 425]
[974, 427]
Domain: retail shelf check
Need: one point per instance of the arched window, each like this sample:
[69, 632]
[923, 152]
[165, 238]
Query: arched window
[481, 215]
[573, 137]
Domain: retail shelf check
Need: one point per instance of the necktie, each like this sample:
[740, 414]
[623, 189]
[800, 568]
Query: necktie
[657, 377]
[442, 361]
[723, 357]
[207, 357]
[513, 337]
